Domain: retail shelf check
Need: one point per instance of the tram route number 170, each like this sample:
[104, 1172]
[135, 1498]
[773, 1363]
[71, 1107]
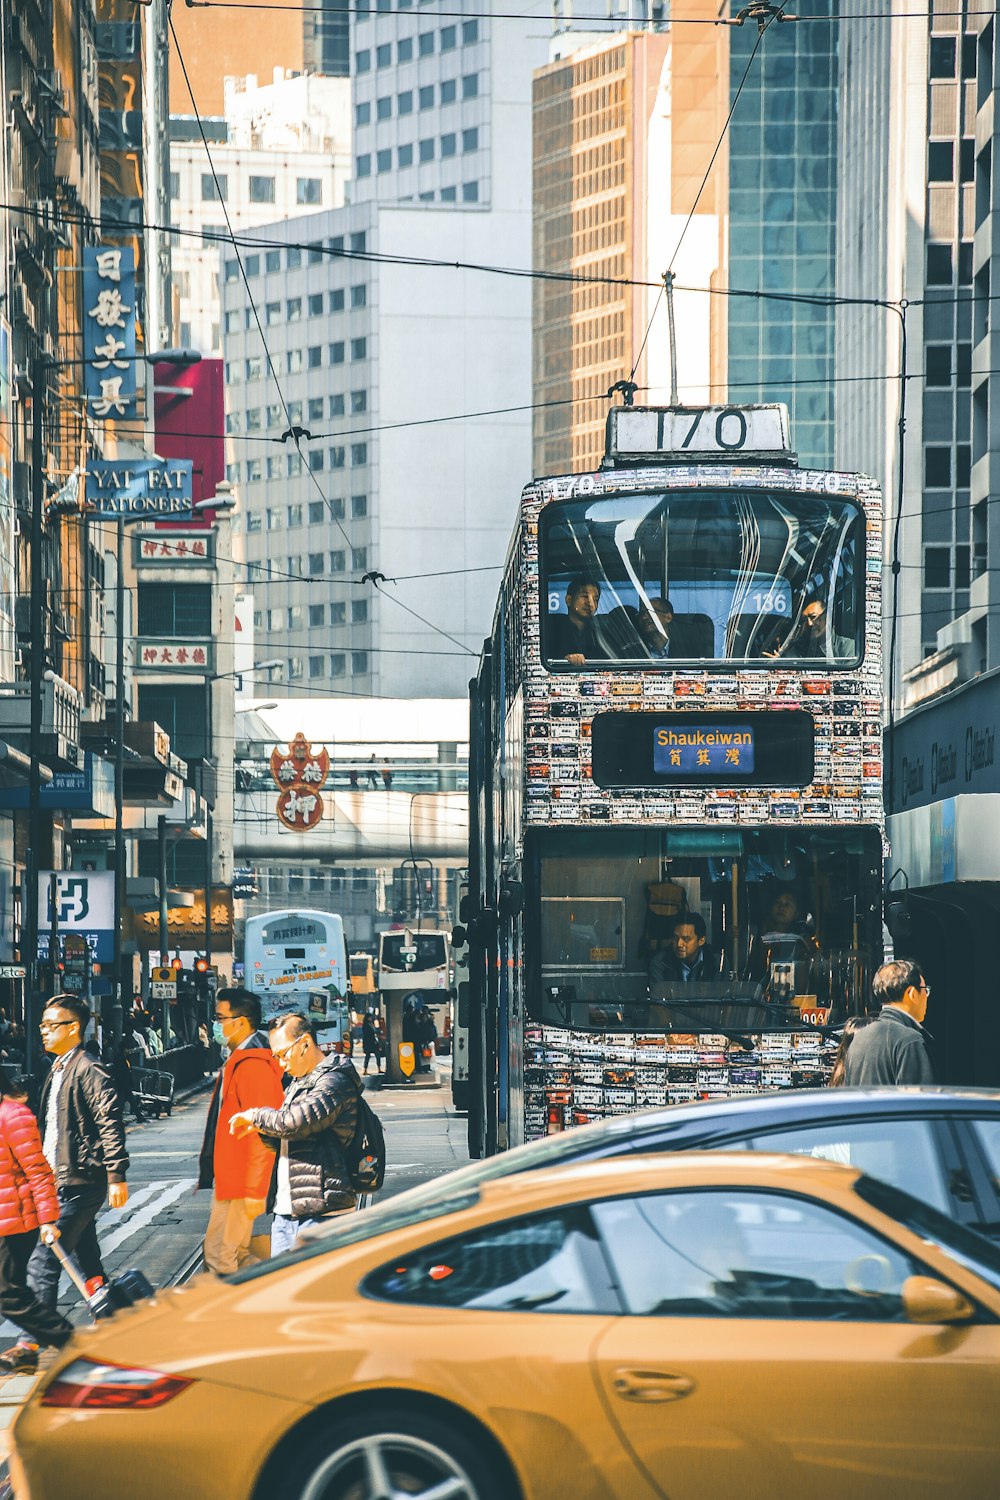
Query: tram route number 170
[742, 430]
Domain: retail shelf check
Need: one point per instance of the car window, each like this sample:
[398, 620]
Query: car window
[545, 1263]
[988, 1134]
[900, 1151]
[726, 1253]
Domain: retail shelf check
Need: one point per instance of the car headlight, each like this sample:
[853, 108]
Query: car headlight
[88, 1386]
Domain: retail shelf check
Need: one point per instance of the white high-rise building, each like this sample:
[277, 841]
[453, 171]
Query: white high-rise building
[403, 371]
[280, 151]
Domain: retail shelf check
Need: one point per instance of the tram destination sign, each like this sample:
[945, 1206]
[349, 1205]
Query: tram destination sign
[703, 750]
[692, 747]
[719, 433]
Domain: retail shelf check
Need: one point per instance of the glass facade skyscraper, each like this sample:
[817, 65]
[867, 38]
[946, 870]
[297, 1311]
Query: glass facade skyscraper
[327, 37]
[782, 224]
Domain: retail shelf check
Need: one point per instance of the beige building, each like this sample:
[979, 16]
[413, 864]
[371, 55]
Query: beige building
[221, 44]
[623, 131]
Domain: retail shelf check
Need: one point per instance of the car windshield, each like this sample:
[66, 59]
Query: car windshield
[701, 575]
[970, 1249]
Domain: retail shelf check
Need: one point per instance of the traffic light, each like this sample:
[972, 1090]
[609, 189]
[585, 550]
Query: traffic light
[177, 963]
[201, 965]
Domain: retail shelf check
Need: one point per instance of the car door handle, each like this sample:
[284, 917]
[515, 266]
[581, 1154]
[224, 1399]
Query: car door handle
[651, 1385]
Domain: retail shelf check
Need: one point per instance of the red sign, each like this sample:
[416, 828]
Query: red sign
[299, 774]
[816, 1015]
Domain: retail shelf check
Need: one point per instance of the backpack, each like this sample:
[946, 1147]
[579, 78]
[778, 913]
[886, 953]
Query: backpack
[365, 1156]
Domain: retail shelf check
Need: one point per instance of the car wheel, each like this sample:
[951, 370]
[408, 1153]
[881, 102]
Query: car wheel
[391, 1455]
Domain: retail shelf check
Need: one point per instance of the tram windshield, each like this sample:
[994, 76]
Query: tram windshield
[692, 929]
[727, 575]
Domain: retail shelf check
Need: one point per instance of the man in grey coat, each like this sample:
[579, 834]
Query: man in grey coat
[893, 1049]
[310, 1133]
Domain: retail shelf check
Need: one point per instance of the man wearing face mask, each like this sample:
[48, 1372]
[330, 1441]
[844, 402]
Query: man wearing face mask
[238, 1170]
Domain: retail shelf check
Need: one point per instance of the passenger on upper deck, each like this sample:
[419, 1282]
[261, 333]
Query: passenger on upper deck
[575, 636]
[660, 635]
[809, 638]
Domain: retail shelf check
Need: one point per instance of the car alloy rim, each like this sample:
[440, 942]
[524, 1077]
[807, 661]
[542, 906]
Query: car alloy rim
[390, 1466]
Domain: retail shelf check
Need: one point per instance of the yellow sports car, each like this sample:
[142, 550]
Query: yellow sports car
[689, 1326]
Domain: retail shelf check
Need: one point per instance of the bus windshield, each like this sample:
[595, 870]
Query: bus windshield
[749, 576]
[412, 953]
[702, 928]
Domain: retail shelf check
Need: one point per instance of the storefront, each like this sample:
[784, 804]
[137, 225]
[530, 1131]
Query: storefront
[943, 799]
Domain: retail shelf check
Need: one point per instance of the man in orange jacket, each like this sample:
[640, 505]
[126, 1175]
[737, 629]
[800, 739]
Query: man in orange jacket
[238, 1171]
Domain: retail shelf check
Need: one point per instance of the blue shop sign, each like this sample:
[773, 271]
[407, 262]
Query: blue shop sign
[138, 488]
[109, 331]
[90, 790]
[948, 748]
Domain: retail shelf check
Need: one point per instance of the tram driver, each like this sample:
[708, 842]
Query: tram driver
[810, 637]
[687, 960]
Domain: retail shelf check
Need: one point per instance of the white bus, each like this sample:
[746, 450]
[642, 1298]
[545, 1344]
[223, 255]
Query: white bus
[296, 960]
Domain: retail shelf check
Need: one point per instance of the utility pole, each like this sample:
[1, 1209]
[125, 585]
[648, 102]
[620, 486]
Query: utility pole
[32, 863]
[118, 1007]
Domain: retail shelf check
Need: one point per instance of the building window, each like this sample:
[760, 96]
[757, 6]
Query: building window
[383, 108]
[337, 300]
[253, 419]
[293, 464]
[232, 271]
[293, 309]
[963, 575]
[169, 609]
[272, 261]
[175, 192]
[359, 348]
[252, 264]
[337, 564]
[359, 295]
[338, 664]
[316, 666]
[272, 312]
[316, 460]
[449, 90]
[359, 557]
[470, 192]
[182, 712]
[337, 406]
[232, 421]
[253, 470]
[963, 465]
[425, 43]
[254, 367]
[967, 159]
[316, 256]
[937, 365]
[359, 242]
[425, 97]
[426, 150]
[337, 353]
[308, 190]
[404, 103]
[449, 195]
[939, 265]
[404, 49]
[294, 514]
[295, 667]
[448, 144]
[470, 32]
[337, 458]
[937, 468]
[261, 189]
[362, 114]
[316, 512]
[232, 321]
[337, 613]
[359, 663]
[316, 304]
[470, 86]
[293, 361]
[359, 611]
[363, 61]
[940, 161]
[404, 157]
[359, 402]
[337, 509]
[359, 506]
[295, 617]
[317, 613]
[275, 413]
[963, 365]
[315, 566]
[293, 257]
[937, 568]
[383, 161]
[363, 165]
[470, 140]
[210, 193]
[942, 57]
[315, 408]
[383, 55]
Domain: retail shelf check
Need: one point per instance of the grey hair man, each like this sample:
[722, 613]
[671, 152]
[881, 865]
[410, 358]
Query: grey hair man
[893, 1049]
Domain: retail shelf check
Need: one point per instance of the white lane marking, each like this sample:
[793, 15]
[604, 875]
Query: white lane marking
[169, 1193]
[180, 1154]
[135, 1200]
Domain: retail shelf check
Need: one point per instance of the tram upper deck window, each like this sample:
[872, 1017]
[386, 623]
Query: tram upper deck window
[754, 577]
[424, 951]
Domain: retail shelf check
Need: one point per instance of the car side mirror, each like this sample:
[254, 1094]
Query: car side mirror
[927, 1300]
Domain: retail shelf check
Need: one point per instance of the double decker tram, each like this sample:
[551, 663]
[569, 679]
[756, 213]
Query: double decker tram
[676, 818]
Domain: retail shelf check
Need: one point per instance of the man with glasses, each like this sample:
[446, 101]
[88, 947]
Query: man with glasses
[83, 1140]
[310, 1132]
[893, 1049]
[238, 1171]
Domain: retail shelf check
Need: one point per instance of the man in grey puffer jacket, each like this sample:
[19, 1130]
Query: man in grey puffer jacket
[310, 1132]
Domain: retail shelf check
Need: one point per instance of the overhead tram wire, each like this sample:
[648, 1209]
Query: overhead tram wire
[666, 279]
[291, 430]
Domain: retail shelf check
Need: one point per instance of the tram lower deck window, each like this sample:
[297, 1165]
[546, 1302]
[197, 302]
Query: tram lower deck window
[686, 928]
[727, 575]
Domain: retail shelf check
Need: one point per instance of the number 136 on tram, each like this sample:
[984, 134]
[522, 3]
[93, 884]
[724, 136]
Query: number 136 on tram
[676, 817]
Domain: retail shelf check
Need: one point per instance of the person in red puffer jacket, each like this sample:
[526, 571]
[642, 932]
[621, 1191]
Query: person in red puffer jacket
[28, 1205]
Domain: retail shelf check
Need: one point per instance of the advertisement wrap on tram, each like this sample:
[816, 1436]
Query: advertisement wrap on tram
[676, 817]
